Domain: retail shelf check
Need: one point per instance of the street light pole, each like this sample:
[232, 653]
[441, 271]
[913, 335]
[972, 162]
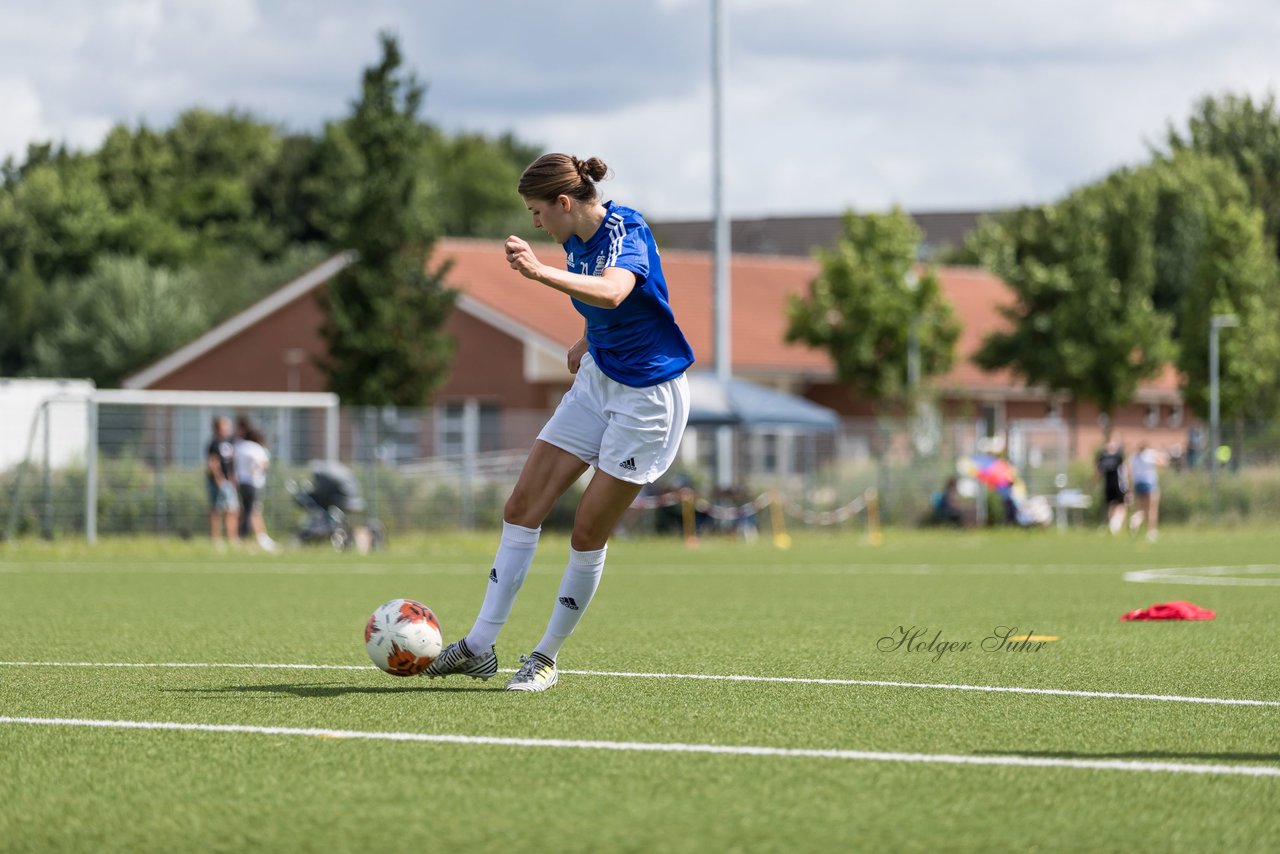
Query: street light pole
[913, 338]
[1216, 322]
[720, 218]
[913, 355]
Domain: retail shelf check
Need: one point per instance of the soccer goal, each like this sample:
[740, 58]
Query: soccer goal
[133, 461]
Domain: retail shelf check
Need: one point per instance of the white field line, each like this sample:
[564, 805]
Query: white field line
[185, 664]
[623, 674]
[673, 747]
[215, 567]
[1217, 576]
[270, 567]
[997, 689]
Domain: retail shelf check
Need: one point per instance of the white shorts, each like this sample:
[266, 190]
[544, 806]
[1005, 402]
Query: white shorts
[630, 433]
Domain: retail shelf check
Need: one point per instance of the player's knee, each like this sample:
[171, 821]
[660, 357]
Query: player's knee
[588, 537]
[520, 509]
[588, 543]
[515, 508]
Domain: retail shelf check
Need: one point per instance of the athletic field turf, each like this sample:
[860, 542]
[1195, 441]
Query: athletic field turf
[161, 697]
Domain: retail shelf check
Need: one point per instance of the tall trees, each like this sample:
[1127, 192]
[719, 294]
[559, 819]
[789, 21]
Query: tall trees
[475, 184]
[1235, 273]
[1121, 276]
[127, 312]
[227, 198]
[869, 309]
[1245, 134]
[385, 312]
[1083, 320]
[124, 313]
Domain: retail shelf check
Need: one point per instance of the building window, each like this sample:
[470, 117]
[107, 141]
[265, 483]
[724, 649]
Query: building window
[458, 418]
[768, 453]
[1175, 415]
[450, 436]
[990, 418]
[1152, 418]
[706, 454]
[490, 427]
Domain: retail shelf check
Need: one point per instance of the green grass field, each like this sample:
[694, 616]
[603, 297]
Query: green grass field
[859, 766]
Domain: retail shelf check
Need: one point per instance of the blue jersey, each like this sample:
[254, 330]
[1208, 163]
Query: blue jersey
[638, 343]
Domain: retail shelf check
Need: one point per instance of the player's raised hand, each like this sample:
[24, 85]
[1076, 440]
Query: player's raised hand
[521, 258]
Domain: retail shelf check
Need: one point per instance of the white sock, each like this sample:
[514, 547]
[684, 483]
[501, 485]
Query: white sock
[510, 566]
[581, 578]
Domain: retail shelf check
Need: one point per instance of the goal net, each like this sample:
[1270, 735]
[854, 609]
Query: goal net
[134, 461]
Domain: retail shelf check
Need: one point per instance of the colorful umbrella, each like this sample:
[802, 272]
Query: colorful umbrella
[995, 472]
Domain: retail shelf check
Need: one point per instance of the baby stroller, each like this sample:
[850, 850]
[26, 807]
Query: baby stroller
[335, 509]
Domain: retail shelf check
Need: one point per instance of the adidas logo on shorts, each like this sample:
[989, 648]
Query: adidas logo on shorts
[628, 464]
[493, 575]
[568, 602]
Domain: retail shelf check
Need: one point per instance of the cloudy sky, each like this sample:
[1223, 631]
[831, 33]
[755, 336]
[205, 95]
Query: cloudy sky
[831, 104]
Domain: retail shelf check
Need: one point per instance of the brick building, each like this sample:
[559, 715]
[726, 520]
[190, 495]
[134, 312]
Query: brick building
[512, 335]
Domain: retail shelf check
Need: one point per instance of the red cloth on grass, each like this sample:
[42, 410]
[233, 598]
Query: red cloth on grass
[1171, 611]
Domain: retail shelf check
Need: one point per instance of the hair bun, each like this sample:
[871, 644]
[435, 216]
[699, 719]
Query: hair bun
[593, 168]
[560, 174]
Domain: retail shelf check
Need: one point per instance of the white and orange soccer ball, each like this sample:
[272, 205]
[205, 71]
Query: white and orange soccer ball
[402, 637]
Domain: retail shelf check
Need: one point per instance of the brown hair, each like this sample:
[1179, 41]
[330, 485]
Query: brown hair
[555, 175]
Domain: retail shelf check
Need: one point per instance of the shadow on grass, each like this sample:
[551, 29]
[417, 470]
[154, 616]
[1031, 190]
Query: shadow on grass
[312, 689]
[1139, 754]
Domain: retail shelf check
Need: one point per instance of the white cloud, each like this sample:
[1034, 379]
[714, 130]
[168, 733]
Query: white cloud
[831, 104]
[667, 174]
[23, 118]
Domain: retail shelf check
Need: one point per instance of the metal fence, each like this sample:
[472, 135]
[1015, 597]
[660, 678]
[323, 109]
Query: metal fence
[452, 466]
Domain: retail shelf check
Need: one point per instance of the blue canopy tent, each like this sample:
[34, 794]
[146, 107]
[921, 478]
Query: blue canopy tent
[743, 404]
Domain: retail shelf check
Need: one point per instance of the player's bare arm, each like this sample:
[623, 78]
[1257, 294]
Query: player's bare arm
[607, 290]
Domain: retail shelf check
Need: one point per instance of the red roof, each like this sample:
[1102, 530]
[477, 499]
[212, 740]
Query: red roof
[761, 285]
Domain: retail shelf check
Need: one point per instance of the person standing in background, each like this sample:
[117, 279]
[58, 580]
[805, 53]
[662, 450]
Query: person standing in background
[244, 474]
[1146, 489]
[1111, 469]
[252, 462]
[220, 478]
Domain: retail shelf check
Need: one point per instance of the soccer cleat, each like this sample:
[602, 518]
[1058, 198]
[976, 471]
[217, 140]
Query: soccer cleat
[456, 658]
[536, 673]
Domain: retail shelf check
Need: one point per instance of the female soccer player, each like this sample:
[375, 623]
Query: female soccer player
[624, 415]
